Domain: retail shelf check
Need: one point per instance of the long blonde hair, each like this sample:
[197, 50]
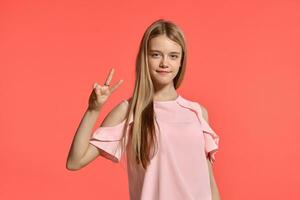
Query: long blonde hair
[142, 136]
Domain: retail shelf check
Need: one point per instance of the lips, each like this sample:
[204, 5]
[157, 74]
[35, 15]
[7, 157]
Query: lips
[162, 71]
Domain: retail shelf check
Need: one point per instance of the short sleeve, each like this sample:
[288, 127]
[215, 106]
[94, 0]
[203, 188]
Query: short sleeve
[211, 139]
[108, 139]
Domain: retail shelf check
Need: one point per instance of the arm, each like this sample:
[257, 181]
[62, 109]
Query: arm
[214, 188]
[80, 143]
[81, 152]
[213, 184]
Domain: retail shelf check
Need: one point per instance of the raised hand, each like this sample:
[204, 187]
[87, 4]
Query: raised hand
[100, 93]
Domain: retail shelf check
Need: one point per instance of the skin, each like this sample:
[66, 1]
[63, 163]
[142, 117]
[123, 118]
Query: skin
[82, 153]
[213, 184]
[162, 56]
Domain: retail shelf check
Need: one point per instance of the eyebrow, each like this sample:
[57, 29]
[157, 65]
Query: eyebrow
[174, 52]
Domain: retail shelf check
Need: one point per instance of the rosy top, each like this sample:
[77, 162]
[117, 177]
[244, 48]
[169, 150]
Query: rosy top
[179, 169]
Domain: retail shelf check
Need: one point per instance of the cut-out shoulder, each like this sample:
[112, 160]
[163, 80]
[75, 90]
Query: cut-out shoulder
[200, 145]
[116, 115]
[204, 112]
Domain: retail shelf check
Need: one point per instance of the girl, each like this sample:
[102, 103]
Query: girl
[166, 139]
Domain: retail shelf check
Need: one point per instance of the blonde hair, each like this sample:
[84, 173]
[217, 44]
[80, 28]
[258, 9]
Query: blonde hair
[142, 137]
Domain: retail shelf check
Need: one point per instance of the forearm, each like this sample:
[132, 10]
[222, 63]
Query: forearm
[214, 188]
[82, 136]
[215, 192]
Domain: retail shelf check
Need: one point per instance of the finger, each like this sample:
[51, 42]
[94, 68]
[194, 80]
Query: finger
[94, 85]
[113, 88]
[110, 75]
[97, 87]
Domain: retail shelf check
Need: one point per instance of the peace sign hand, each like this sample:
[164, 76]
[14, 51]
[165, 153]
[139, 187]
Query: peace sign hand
[100, 93]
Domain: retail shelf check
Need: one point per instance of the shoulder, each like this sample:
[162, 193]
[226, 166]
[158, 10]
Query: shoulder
[204, 111]
[117, 114]
[195, 104]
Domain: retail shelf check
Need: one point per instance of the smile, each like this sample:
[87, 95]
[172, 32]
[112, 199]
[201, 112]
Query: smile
[162, 72]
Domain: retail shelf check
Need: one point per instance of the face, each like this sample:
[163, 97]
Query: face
[164, 57]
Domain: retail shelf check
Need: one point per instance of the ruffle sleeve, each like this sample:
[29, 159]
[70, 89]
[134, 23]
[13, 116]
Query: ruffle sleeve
[211, 139]
[108, 139]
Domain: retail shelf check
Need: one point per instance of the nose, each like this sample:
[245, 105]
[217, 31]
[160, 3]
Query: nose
[163, 63]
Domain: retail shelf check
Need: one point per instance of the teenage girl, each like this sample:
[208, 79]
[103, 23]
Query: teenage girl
[166, 139]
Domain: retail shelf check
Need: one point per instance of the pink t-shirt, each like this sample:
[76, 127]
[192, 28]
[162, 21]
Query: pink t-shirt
[179, 169]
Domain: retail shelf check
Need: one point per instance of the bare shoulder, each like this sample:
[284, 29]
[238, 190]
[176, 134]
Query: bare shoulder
[204, 112]
[117, 114]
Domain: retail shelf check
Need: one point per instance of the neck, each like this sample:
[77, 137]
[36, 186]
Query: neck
[165, 93]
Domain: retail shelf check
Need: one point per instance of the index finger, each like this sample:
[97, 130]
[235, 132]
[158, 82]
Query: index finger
[109, 77]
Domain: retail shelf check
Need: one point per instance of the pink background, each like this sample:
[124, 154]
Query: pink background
[243, 66]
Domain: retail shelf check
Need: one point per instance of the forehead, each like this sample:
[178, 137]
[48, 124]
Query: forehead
[163, 44]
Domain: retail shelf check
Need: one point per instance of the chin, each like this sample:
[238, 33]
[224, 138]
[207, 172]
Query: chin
[163, 83]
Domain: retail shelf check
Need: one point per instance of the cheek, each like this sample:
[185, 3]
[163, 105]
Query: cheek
[175, 65]
[153, 63]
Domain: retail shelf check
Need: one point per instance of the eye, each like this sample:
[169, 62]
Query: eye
[154, 54]
[174, 56]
